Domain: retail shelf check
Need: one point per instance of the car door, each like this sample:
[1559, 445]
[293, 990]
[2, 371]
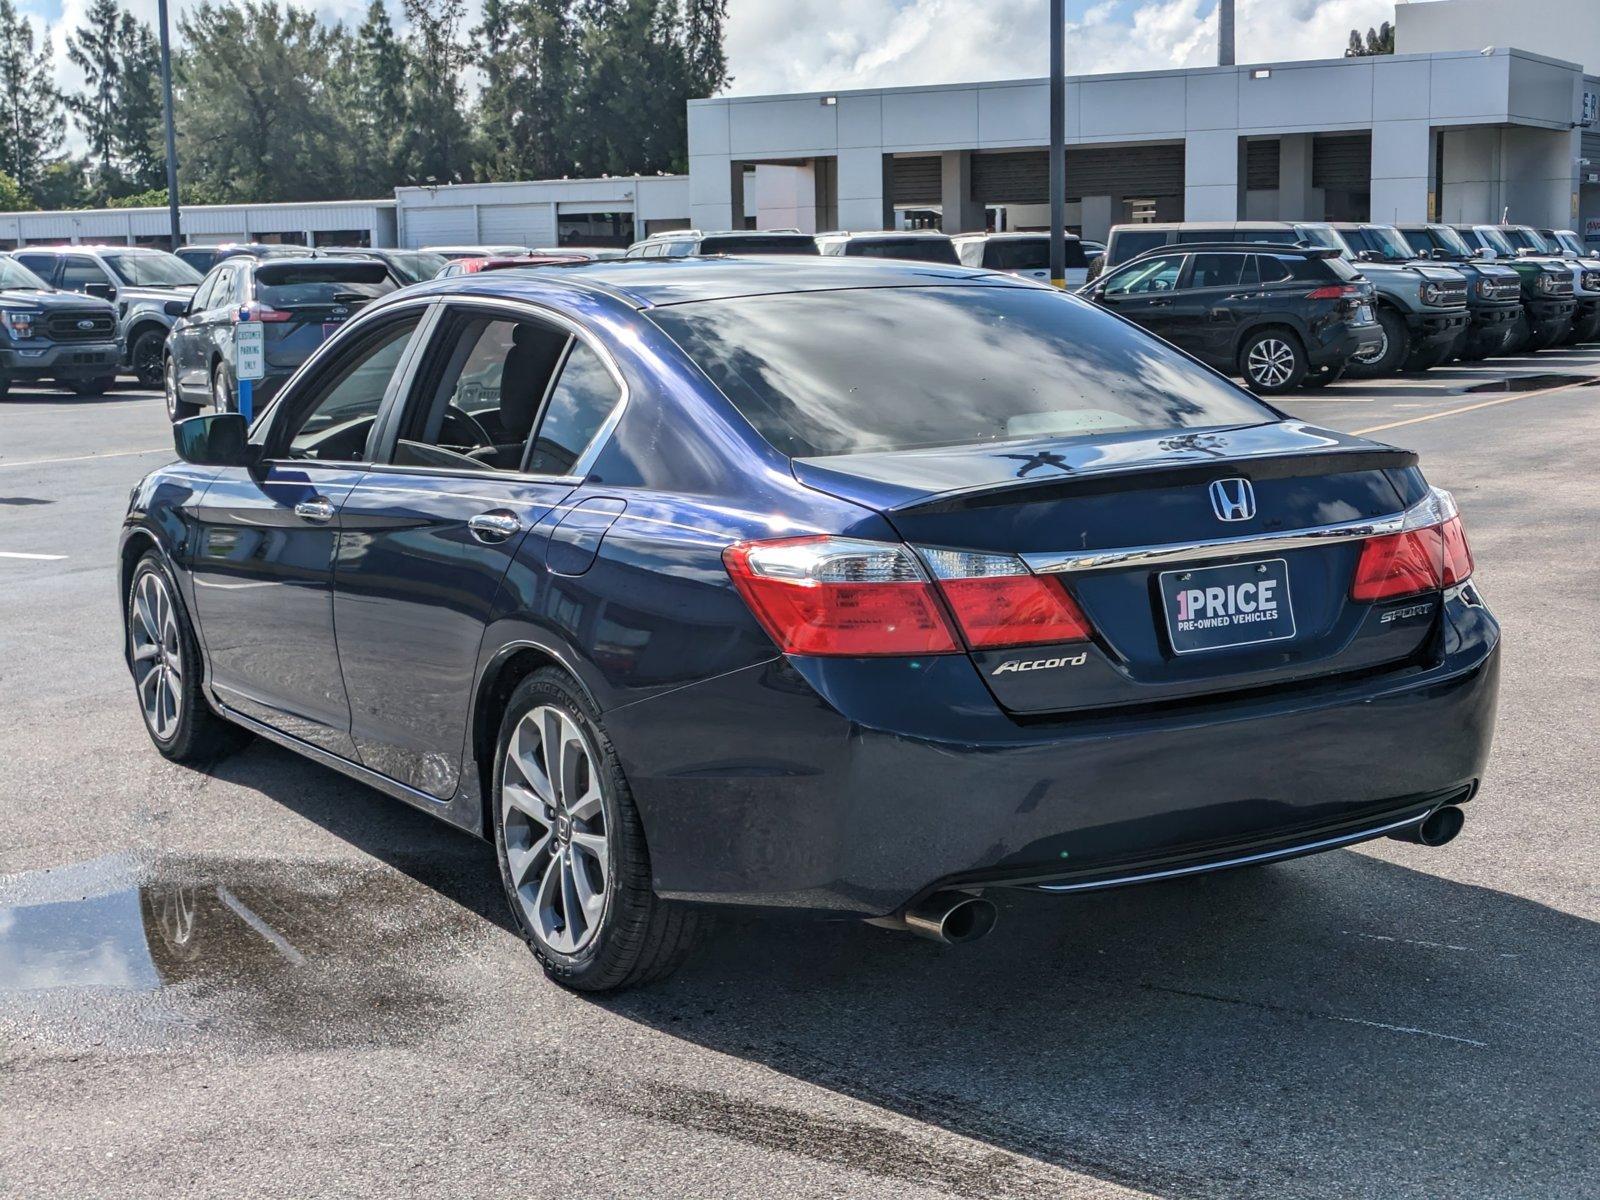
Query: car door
[81, 274]
[183, 339]
[263, 550]
[1210, 306]
[204, 327]
[494, 435]
[1143, 291]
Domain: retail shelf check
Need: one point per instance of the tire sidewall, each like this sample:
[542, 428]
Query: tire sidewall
[177, 407]
[1397, 345]
[189, 694]
[149, 335]
[601, 955]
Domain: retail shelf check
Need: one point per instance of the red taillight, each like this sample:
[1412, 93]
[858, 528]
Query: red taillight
[997, 601]
[1424, 559]
[1334, 292]
[259, 312]
[838, 596]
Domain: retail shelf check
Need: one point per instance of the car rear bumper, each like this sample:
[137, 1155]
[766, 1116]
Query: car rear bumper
[1342, 346]
[774, 786]
[63, 360]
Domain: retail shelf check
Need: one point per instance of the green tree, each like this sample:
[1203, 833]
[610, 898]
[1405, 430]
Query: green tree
[94, 49]
[32, 118]
[708, 62]
[119, 110]
[438, 144]
[259, 116]
[137, 131]
[64, 184]
[12, 197]
[525, 107]
[1378, 41]
[383, 65]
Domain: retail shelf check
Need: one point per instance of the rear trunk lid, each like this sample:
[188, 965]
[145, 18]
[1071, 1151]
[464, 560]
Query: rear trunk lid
[1187, 552]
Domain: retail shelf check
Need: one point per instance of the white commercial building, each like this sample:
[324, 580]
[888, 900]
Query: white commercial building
[328, 223]
[1460, 132]
[584, 212]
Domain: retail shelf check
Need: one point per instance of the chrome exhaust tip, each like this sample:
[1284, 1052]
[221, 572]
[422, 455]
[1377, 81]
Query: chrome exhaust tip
[1435, 829]
[948, 917]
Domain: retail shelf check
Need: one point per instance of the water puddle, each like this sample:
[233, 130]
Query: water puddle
[301, 954]
[1532, 383]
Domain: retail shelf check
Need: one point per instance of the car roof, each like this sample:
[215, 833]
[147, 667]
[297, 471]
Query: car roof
[1225, 247]
[896, 234]
[652, 282]
[91, 248]
[1009, 235]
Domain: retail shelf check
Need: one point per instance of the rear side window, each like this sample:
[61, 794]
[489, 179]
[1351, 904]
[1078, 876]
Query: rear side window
[582, 399]
[1271, 237]
[1017, 254]
[1216, 270]
[935, 250]
[851, 371]
[1130, 243]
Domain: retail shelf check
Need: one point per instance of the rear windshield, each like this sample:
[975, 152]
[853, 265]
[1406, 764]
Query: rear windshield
[855, 371]
[288, 282]
[935, 250]
[758, 245]
[1028, 254]
[1130, 243]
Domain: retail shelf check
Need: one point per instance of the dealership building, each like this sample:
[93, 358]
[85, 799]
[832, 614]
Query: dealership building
[1488, 108]
[1463, 124]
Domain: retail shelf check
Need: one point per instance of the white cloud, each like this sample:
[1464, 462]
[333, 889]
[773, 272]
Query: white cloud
[805, 45]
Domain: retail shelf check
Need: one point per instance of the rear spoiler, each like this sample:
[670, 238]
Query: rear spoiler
[1108, 482]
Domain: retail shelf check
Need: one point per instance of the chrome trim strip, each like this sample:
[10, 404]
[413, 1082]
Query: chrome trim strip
[1435, 507]
[1344, 839]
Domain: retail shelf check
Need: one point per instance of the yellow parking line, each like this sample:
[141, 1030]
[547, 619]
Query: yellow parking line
[1466, 408]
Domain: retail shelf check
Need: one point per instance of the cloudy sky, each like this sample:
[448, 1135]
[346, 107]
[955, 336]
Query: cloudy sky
[788, 45]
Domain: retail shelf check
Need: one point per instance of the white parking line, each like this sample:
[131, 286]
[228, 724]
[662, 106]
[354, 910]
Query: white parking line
[41, 462]
[33, 557]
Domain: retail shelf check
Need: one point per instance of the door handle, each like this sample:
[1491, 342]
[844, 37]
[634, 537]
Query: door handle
[494, 526]
[318, 509]
[1161, 304]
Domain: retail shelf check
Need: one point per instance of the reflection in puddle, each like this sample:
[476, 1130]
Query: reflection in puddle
[1532, 383]
[312, 952]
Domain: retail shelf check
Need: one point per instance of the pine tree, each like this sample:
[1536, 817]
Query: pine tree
[382, 66]
[32, 117]
[95, 48]
[708, 62]
[137, 132]
[438, 145]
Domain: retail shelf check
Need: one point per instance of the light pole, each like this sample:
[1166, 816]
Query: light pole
[166, 113]
[1058, 143]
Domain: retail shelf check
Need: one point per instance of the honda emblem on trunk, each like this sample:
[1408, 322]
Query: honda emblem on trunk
[1233, 499]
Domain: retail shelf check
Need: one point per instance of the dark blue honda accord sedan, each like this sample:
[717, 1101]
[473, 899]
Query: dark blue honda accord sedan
[835, 585]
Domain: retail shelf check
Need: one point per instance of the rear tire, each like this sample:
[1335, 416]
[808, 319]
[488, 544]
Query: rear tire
[1391, 352]
[572, 854]
[165, 659]
[222, 397]
[93, 387]
[177, 409]
[1272, 362]
[1325, 377]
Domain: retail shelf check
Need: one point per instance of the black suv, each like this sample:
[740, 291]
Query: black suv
[46, 334]
[203, 258]
[1279, 316]
[687, 243]
[298, 302]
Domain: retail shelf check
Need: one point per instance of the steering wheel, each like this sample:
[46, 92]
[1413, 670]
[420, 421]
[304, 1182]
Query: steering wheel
[461, 428]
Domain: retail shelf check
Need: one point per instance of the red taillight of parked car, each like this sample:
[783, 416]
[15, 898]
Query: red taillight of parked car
[840, 596]
[832, 596]
[1338, 291]
[997, 601]
[1424, 559]
[259, 312]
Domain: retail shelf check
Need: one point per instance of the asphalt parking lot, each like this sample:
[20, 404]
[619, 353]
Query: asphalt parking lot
[271, 981]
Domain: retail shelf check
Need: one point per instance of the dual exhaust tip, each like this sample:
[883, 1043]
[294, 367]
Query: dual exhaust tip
[953, 917]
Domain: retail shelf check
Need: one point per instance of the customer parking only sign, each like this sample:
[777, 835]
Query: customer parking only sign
[250, 361]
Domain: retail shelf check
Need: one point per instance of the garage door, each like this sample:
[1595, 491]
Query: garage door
[444, 226]
[1342, 160]
[1023, 176]
[518, 224]
[918, 180]
[1261, 165]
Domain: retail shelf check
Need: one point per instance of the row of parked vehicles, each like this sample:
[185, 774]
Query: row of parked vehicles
[1282, 304]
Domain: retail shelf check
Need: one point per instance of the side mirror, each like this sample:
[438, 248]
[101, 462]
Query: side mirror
[215, 440]
[176, 308]
[103, 291]
[1484, 253]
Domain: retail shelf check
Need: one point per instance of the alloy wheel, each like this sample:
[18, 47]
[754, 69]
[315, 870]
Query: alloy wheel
[171, 385]
[147, 360]
[555, 829]
[1367, 357]
[1271, 362]
[157, 655]
[219, 392]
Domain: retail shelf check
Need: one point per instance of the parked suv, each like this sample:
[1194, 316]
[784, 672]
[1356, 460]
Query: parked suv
[918, 245]
[1565, 244]
[149, 288]
[1548, 301]
[1421, 309]
[1494, 292]
[203, 258]
[298, 301]
[1276, 315]
[405, 266]
[46, 334]
[1023, 254]
[687, 243]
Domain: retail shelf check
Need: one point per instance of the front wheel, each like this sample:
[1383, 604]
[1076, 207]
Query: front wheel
[221, 394]
[1392, 348]
[145, 357]
[165, 658]
[571, 849]
[177, 407]
[1272, 362]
